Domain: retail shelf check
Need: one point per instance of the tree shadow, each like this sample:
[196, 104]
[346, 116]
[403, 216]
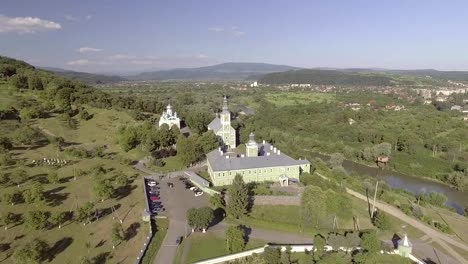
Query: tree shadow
[18, 237]
[132, 231]
[429, 261]
[123, 191]
[4, 247]
[247, 232]
[103, 212]
[59, 247]
[101, 243]
[54, 198]
[40, 178]
[101, 258]
[66, 179]
[219, 215]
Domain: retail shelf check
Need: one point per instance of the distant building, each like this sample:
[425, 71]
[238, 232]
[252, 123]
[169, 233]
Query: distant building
[254, 84]
[261, 162]
[170, 118]
[221, 126]
[456, 108]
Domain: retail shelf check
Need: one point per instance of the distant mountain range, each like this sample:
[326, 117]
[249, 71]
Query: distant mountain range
[275, 74]
[88, 78]
[224, 71]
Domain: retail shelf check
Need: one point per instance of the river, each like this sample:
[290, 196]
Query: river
[456, 199]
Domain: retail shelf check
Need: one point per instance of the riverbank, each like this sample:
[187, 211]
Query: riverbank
[456, 199]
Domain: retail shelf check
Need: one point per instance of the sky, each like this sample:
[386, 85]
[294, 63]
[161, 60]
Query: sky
[131, 36]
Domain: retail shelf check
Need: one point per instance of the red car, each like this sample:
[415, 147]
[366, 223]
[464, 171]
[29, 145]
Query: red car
[154, 198]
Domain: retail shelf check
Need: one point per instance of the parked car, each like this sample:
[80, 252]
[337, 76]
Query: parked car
[157, 210]
[199, 193]
[151, 183]
[179, 240]
[154, 198]
[193, 188]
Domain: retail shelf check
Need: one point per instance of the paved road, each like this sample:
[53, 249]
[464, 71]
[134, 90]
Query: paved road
[177, 201]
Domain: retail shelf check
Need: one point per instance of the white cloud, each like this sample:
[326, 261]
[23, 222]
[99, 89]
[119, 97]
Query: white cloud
[70, 18]
[121, 57]
[201, 56]
[88, 17]
[26, 24]
[88, 49]
[216, 29]
[236, 32]
[78, 62]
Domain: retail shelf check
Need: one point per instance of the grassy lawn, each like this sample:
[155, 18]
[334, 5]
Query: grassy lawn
[69, 243]
[210, 245]
[171, 164]
[286, 99]
[161, 226]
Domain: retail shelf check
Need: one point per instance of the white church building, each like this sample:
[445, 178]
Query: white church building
[170, 118]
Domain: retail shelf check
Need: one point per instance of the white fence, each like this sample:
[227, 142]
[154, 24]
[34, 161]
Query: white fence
[294, 248]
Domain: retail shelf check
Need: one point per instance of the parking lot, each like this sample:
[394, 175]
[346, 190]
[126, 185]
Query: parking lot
[176, 200]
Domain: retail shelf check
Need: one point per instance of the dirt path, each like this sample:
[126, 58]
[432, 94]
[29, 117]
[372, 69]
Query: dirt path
[438, 237]
[46, 131]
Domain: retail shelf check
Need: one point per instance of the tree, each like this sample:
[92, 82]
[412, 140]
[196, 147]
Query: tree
[117, 234]
[13, 198]
[313, 206]
[19, 81]
[85, 212]
[208, 141]
[383, 149]
[188, 150]
[5, 158]
[7, 70]
[206, 216]
[352, 240]
[122, 180]
[31, 253]
[272, 255]
[238, 197]
[286, 256]
[200, 217]
[103, 189]
[52, 177]
[335, 241]
[198, 121]
[8, 218]
[25, 135]
[35, 82]
[37, 219]
[85, 260]
[34, 194]
[235, 239]
[58, 218]
[166, 137]
[127, 138]
[382, 221]
[4, 178]
[319, 245]
[217, 201]
[370, 243]
[192, 218]
[336, 160]
[19, 176]
[5, 143]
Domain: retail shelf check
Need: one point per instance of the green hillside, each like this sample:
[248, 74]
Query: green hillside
[342, 78]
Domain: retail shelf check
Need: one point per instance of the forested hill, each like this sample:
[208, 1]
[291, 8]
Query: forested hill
[57, 92]
[224, 71]
[342, 78]
[88, 78]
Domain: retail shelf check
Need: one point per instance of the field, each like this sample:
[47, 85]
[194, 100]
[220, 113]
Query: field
[93, 240]
[287, 99]
[210, 245]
